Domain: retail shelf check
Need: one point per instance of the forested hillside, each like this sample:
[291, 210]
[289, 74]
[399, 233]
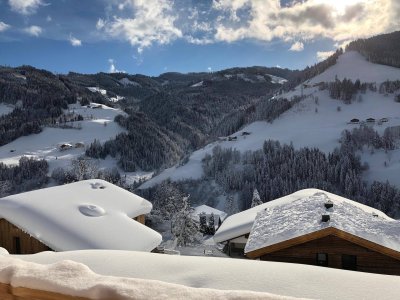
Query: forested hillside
[39, 98]
[382, 49]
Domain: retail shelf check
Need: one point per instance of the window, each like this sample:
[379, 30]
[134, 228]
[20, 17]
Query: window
[349, 262]
[17, 245]
[322, 259]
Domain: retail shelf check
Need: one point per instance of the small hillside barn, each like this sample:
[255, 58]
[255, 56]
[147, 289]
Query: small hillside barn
[90, 214]
[319, 228]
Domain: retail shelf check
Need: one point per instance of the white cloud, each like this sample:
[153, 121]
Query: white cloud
[33, 30]
[74, 41]
[25, 7]
[113, 68]
[4, 26]
[100, 24]
[152, 22]
[297, 46]
[322, 55]
[338, 20]
[199, 41]
[49, 19]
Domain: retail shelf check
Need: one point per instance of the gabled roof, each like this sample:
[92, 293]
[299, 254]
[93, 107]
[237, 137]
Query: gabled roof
[90, 214]
[299, 221]
[241, 223]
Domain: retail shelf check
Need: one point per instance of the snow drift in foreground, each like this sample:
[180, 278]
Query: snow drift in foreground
[75, 279]
[286, 279]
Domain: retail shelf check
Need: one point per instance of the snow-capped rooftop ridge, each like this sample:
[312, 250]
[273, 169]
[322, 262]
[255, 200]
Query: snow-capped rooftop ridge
[303, 216]
[352, 65]
[82, 215]
[241, 223]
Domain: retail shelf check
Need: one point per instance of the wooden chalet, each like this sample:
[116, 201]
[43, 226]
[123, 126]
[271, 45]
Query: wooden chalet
[76, 216]
[335, 248]
[342, 234]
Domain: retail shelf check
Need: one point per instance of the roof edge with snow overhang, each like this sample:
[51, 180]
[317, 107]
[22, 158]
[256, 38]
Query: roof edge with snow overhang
[89, 214]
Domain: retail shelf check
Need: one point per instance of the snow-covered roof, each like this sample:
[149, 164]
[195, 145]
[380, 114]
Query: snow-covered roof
[90, 214]
[241, 223]
[208, 210]
[303, 216]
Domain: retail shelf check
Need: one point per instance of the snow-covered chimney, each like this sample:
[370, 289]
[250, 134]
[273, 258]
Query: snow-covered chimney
[325, 218]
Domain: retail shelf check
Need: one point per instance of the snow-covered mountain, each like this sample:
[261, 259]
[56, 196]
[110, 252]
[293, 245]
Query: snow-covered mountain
[318, 121]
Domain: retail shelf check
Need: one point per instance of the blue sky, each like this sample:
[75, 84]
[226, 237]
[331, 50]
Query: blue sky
[155, 36]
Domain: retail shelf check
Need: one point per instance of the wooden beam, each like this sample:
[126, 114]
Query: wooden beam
[7, 292]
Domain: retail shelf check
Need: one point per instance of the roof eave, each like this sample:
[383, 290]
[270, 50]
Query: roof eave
[320, 234]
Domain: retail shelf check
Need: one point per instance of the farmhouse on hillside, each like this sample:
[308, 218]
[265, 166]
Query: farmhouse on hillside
[90, 214]
[316, 228]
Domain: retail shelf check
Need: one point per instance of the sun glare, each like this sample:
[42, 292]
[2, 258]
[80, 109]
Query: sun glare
[340, 5]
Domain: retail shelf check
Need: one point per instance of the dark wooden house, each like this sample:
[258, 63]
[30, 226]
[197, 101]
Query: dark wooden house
[333, 248]
[327, 230]
[90, 214]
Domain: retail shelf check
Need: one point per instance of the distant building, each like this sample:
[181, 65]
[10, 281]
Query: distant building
[65, 146]
[90, 214]
[79, 145]
[370, 120]
[317, 228]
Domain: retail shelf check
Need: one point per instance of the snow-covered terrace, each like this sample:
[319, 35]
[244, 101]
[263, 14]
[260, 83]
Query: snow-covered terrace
[138, 275]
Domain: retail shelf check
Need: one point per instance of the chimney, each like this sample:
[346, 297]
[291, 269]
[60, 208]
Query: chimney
[328, 204]
[325, 218]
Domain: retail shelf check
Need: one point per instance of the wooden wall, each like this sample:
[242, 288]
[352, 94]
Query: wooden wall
[7, 292]
[141, 219]
[28, 244]
[367, 260]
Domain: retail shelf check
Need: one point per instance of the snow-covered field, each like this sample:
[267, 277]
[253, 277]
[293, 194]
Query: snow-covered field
[98, 124]
[311, 124]
[285, 279]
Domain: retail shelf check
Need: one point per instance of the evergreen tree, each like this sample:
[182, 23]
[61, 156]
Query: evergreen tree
[183, 227]
[203, 222]
[211, 224]
[256, 200]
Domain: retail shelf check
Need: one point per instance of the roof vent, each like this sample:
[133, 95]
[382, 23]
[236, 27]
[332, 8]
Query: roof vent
[328, 204]
[91, 210]
[374, 214]
[325, 218]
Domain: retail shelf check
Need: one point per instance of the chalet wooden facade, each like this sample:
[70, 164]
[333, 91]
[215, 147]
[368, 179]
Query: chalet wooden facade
[317, 228]
[89, 214]
[333, 248]
[16, 241]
